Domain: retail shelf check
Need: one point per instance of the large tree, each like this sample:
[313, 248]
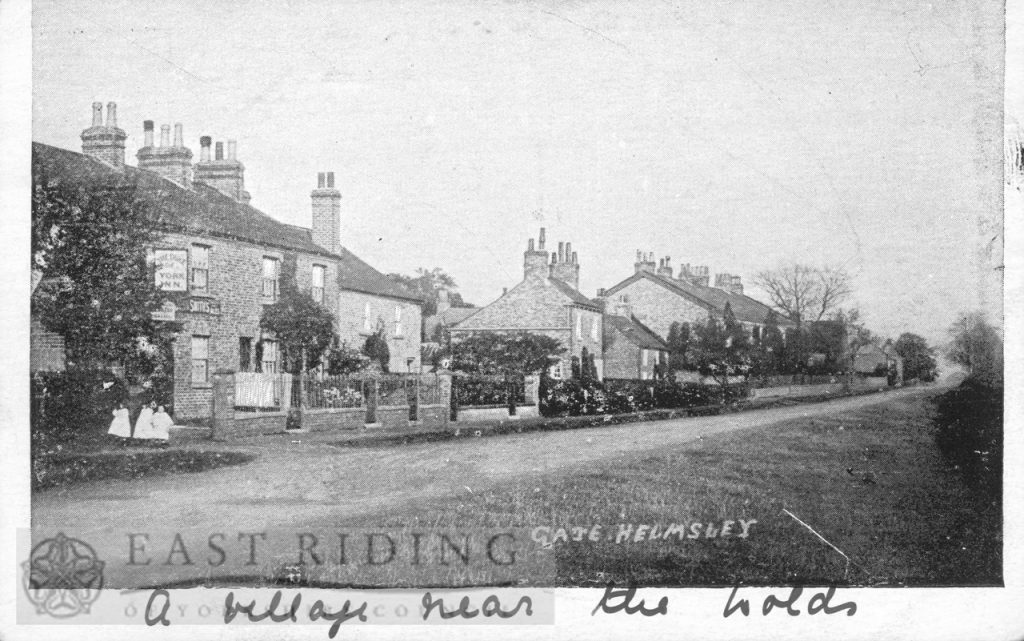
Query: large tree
[89, 246]
[978, 347]
[804, 294]
[426, 284]
[918, 357]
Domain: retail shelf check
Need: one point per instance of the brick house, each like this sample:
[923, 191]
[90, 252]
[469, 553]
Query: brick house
[631, 350]
[227, 258]
[547, 302]
[657, 298]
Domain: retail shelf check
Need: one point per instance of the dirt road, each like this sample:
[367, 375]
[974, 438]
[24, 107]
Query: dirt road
[316, 484]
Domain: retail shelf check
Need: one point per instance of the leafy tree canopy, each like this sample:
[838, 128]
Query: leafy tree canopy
[426, 284]
[89, 245]
[978, 347]
[918, 357]
[298, 322]
[721, 349]
[376, 348]
[511, 354]
[679, 338]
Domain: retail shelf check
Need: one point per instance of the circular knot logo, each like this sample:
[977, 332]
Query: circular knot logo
[63, 577]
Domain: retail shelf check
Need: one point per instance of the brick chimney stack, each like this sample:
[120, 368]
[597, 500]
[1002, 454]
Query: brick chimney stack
[105, 142]
[326, 213]
[564, 266]
[644, 262]
[664, 267]
[535, 259]
[172, 162]
[698, 275]
[225, 174]
[729, 282]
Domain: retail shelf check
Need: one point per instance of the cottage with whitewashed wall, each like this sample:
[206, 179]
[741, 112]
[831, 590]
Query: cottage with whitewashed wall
[229, 257]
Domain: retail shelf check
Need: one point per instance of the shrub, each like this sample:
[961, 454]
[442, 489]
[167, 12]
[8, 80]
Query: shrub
[72, 404]
[970, 432]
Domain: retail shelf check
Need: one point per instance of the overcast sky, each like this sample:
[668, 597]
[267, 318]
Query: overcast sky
[737, 135]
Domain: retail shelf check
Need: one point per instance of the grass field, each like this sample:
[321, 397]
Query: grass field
[870, 481]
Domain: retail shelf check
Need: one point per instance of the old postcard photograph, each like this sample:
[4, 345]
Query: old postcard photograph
[598, 318]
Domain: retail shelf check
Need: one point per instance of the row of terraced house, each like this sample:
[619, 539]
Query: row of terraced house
[225, 258]
[624, 327]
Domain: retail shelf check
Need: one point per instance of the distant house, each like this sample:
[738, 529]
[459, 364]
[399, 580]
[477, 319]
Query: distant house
[546, 302]
[224, 260]
[875, 360]
[446, 315]
[631, 350]
[657, 298]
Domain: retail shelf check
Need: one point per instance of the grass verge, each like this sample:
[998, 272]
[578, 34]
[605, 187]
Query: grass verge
[870, 481]
[61, 470]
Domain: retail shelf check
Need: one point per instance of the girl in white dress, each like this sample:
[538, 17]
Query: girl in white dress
[144, 424]
[162, 423]
[121, 426]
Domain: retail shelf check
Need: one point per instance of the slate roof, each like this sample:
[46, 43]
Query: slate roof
[205, 211]
[635, 331]
[746, 308]
[576, 297]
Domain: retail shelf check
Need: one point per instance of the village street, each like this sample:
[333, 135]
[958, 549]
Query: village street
[312, 483]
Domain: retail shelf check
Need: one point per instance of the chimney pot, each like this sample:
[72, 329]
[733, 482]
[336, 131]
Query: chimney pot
[204, 148]
[179, 140]
[232, 149]
[540, 239]
[218, 151]
[165, 135]
[97, 114]
[147, 133]
[561, 252]
[321, 180]
[111, 114]
[529, 245]
[574, 261]
[330, 180]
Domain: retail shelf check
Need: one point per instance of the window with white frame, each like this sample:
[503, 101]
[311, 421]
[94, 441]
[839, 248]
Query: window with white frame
[200, 359]
[200, 272]
[645, 356]
[555, 371]
[319, 273]
[269, 356]
[398, 320]
[367, 318]
[271, 273]
[579, 326]
[594, 329]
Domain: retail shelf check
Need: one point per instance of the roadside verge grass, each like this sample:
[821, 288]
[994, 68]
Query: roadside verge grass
[870, 481]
